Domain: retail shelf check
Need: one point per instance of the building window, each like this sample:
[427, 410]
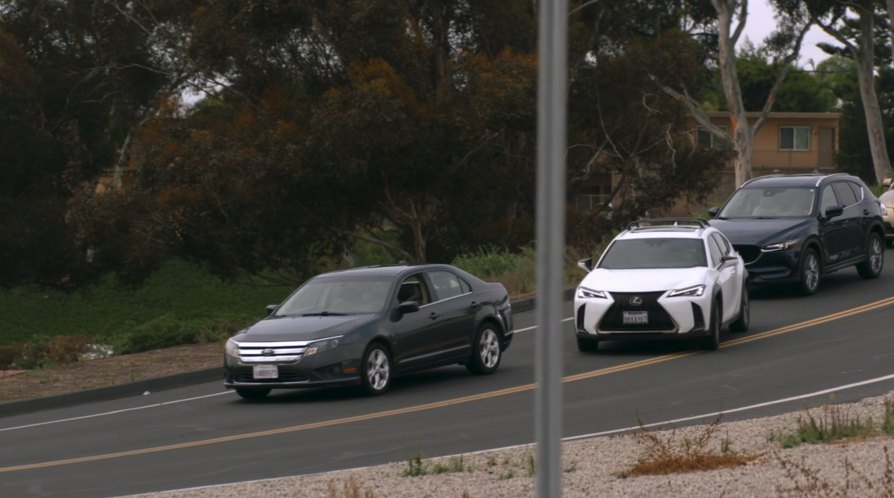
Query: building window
[794, 138]
[707, 139]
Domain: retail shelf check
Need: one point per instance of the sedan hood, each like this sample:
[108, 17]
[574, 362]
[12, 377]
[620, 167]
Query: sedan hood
[301, 328]
[647, 280]
[760, 232]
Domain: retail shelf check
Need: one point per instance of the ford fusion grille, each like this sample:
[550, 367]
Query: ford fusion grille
[659, 319]
[271, 352]
[245, 376]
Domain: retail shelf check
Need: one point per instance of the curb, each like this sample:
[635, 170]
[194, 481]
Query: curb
[164, 383]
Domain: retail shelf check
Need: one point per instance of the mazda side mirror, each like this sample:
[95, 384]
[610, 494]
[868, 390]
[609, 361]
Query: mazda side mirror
[833, 211]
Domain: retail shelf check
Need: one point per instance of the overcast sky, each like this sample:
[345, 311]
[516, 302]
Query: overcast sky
[761, 23]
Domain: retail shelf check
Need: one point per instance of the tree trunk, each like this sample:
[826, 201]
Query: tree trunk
[871, 109]
[739, 128]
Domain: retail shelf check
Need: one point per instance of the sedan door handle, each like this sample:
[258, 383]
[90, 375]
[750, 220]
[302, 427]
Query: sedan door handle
[433, 315]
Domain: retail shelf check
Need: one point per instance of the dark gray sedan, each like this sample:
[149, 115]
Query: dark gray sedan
[364, 326]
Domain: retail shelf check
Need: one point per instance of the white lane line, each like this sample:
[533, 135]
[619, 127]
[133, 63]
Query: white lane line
[114, 412]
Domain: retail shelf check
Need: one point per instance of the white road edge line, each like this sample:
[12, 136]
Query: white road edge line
[584, 436]
[114, 412]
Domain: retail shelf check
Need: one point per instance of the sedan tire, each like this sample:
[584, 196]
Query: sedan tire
[486, 351]
[376, 370]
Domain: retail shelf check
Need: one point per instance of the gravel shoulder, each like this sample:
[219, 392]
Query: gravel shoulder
[595, 467]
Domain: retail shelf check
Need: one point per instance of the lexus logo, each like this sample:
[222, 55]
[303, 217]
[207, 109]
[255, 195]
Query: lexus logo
[268, 352]
[636, 300]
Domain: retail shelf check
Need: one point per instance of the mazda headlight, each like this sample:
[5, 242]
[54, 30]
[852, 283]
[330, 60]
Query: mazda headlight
[232, 348]
[695, 290]
[780, 246]
[585, 293]
[320, 346]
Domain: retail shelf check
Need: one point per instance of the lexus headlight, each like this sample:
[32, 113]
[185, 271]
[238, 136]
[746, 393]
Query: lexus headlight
[780, 246]
[585, 293]
[320, 346]
[232, 348]
[695, 290]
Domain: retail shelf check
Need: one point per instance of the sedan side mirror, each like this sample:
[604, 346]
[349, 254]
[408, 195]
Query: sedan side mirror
[586, 264]
[271, 307]
[408, 307]
[833, 211]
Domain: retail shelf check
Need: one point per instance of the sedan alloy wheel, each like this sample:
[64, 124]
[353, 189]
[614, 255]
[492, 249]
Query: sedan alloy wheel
[376, 370]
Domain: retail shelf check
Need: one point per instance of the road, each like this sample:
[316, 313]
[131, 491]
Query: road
[202, 434]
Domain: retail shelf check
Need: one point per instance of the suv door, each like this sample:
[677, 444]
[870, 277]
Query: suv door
[831, 230]
[728, 278]
[853, 239]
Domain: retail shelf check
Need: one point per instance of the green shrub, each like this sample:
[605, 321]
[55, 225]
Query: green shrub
[162, 332]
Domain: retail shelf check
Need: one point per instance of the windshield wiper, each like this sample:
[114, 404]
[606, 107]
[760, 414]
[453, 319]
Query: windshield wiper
[324, 313]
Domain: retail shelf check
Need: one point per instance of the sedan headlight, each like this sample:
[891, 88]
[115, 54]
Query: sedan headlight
[232, 349]
[320, 346]
[695, 290]
[585, 293]
[780, 246]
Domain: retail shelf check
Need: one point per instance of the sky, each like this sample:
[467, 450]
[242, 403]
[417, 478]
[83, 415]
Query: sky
[761, 22]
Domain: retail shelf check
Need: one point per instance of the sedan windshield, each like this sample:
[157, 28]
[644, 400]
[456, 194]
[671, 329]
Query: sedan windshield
[770, 202]
[336, 297]
[654, 253]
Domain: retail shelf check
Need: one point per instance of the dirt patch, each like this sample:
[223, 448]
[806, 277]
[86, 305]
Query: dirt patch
[107, 372]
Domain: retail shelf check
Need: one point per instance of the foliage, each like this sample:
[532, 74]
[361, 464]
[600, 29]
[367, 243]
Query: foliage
[832, 425]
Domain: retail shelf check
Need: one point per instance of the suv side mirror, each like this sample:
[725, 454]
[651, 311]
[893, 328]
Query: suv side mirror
[713, 211]
[585, 264]
[833, 211]
[271, 307]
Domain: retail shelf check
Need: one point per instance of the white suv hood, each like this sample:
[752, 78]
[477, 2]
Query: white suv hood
[644, 280]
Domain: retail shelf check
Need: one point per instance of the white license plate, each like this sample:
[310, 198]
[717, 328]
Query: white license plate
[635, 317]
[265, 372]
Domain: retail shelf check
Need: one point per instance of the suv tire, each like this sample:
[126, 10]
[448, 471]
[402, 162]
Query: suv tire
[809, 272]
[875, 257]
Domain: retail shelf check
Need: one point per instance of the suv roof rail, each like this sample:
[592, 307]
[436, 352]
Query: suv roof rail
[668, 222]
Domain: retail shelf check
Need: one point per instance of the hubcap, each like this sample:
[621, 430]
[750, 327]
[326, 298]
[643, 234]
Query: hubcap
[811, 272]
[875, 255]
[490, 348]
[377, 369]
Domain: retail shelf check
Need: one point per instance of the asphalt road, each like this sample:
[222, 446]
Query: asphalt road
[836, 345]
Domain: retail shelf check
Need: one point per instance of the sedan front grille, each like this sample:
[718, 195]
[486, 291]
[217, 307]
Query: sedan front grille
[271, 352]
[749, 254]
[659, 319]
[245, 376]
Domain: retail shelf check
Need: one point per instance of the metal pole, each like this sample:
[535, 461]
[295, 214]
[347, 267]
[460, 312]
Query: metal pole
[551, 112]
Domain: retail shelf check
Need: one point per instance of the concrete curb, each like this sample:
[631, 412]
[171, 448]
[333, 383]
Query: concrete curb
[164, 383]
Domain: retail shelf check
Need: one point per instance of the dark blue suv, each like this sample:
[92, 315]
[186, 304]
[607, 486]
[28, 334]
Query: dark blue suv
[794, 228]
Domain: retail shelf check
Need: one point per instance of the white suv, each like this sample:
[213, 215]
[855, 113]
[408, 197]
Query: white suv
[663, 279]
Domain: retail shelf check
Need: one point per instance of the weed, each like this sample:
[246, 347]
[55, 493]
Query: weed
[664, 456]
[415, 467]
[454, 465]
[726, 446]
[834, 424]
[571, 467]
[804, 480]
[888, 422]
[351, 489]
[509, 474]
[531, 464]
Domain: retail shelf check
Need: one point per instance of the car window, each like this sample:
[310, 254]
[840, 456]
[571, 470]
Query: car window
[724, 244]
[828, 200]
[715, 251]
[859, 190]
[413, 288]
[654, 253]
[769, 202]
[845, 194]
[337, 296]
[446, 285]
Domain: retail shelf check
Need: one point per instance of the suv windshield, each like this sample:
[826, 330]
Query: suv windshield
[654, 253]
[336, 297]
[769, 202]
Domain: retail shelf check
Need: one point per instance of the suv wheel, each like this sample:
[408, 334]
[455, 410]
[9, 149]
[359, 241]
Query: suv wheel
[809, 272]
[741, 323]
[587, 345]
[875, 257]
[712, 342]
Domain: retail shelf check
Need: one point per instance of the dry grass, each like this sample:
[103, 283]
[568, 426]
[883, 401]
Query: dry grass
[673, 454]
[350, 489]
[804, 480]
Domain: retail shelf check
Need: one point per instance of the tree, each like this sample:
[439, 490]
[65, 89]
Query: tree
[857, 37]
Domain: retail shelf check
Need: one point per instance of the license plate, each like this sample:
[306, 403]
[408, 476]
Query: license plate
[265, 372]
[636, 317]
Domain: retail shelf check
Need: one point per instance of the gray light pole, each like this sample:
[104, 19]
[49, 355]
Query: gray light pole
[551, 95]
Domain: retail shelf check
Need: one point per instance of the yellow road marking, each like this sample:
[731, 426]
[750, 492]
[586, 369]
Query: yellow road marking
[450, 402]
